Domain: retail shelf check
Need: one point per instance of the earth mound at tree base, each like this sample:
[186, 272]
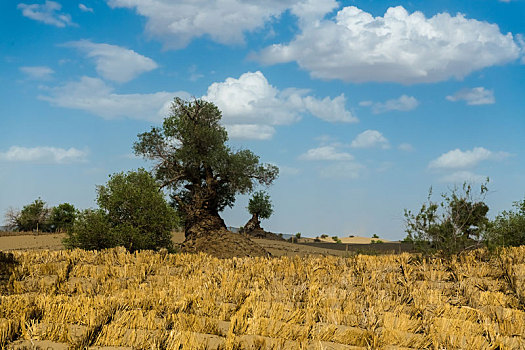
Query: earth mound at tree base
[223, 244]
[260, 233]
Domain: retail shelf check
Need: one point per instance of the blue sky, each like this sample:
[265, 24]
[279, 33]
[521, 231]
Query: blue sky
[362, 104]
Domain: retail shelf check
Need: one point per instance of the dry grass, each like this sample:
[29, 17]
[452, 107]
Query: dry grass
[152, 300]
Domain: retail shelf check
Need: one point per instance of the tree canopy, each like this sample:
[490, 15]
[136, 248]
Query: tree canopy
[133, 213]
[193, 160]
[453, 225]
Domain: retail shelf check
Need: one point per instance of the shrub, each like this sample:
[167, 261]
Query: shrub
[451, 226]
[508, 228]
[335, 238]
[324, 236]
[91, 231]
[133, 213]
[298, 235]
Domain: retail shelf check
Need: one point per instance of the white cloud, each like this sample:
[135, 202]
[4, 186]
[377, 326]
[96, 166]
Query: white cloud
[370, 139]
[404, 104]
[366, 103]
[94, 96]
[47, 13]
[474, 96]
[176, 23]
[253, 101]
[458, 159]
[398, 47]
[38, 72]
[43, 155]
[406, 147]
[342, 170]
[325, 153]
[250, 131]
[463, 176]
[114, 62]
[84, 8]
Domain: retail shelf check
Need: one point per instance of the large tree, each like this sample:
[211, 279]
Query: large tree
[192, 159]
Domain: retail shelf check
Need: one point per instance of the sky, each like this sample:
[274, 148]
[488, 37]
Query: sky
[363, 105]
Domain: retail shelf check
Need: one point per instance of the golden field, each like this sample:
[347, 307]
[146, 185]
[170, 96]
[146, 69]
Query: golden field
[113, 299]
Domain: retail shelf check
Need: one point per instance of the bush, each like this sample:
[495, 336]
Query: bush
[451, 226]
[508, 228]
[324, 236]
[335, 238]
[133, 213]
[91, 231]
[298, 235]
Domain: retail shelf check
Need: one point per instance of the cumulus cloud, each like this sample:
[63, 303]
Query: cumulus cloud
[404, 104]
[43, 155]
[84, 8]
[398, 47]
[37, 72]
[114, 62]
[48, 13]
[458, 159]
[93, 95]
[250, 103]
[325, 153]
[176, 23]
[370, 139]
[250, 131]
[474, 96]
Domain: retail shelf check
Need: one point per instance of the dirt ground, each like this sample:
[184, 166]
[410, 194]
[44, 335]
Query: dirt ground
[54, 242]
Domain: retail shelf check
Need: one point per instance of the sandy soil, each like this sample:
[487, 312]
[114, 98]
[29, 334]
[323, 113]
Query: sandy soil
[54, 242]
[351, 240]
[37, 242]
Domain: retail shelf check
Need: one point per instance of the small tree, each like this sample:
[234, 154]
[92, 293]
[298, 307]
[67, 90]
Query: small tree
[260, 207]
[11, 218]
[451, 226]
[91, 231]
[192, 159]
[508, 228]
[133, 213]
[33, 217]
[62, 217]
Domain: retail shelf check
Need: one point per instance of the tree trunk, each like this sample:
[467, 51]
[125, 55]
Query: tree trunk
[201, 222]
[253, 224]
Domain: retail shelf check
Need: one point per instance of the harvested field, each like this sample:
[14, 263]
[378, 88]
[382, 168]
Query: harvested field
[147, 300]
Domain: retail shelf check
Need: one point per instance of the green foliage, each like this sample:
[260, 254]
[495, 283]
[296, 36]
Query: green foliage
[324, 236]
[335, 238]
[451, 226]
[375, 235]
[133, 213]
[260, 205]
[91, 231]
[298, 235]
[62, 217]
[378, 241]
[508, 228]
[193, 160]
[33, 217]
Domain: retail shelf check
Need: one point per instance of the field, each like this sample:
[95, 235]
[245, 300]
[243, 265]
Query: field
[113, 299]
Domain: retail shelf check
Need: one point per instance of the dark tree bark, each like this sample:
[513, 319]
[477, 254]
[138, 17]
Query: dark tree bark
[253, 224]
